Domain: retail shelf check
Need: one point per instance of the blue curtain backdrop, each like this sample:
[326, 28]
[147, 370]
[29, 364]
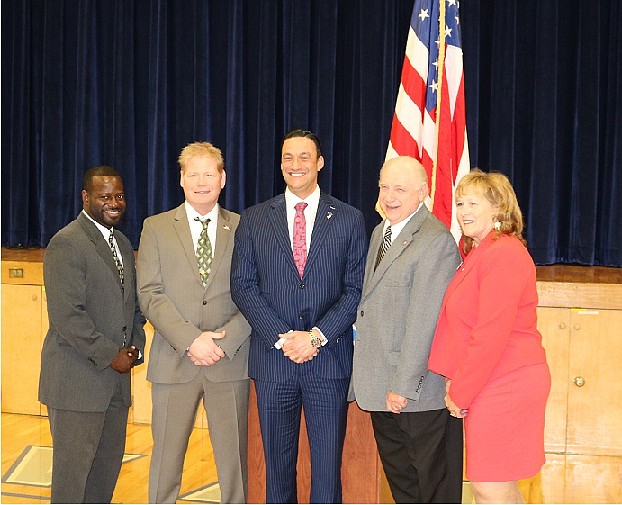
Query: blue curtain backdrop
[129, 83]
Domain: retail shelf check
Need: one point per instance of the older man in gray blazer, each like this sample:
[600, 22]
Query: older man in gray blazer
[200, 347]
[96, 336]
[411, 259]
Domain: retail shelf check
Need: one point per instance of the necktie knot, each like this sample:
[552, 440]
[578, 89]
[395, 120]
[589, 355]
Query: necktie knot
[384, 247]
[387, 234]
[300, 207]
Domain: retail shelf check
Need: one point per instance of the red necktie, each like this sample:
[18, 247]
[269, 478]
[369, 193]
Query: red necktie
[300, 238]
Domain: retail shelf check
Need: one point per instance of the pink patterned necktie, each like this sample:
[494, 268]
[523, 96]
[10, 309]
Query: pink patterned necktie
[300, 238]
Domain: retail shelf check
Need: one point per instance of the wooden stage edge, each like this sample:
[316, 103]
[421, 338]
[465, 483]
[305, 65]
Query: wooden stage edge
[545, 273]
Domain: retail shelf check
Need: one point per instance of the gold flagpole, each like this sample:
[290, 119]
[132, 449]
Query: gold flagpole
[440, 66]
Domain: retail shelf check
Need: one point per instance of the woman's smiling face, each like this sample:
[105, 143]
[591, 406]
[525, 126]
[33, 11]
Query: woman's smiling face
[475, 215]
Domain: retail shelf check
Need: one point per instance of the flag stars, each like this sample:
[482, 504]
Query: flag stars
[433, 86]
[447, 31]
[424, 14]
[451, 2]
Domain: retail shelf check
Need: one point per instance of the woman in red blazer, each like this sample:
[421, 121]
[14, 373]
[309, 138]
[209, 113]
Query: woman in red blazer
[487, 345]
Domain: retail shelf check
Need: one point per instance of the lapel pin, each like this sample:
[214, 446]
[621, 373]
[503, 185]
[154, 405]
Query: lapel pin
[329, 215]
[226, 226]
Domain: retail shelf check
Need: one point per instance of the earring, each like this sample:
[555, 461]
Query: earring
[497, 225]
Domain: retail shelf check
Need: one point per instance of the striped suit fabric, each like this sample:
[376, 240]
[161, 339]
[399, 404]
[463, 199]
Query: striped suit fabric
[268, 290]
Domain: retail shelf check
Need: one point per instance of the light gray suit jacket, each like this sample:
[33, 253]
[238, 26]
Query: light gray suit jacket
[397, 315]
[89, 315]
[174, 300]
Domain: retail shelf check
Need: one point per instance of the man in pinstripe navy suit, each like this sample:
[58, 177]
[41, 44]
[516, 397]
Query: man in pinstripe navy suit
[296, 276]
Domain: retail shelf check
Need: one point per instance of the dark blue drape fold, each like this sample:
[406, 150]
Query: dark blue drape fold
[129, 83]
[544, 105]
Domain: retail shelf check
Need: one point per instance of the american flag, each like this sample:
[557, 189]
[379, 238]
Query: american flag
[433, 131]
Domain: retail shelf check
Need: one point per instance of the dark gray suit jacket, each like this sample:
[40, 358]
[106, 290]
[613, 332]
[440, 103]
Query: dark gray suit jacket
[397, 315]
[89, 315]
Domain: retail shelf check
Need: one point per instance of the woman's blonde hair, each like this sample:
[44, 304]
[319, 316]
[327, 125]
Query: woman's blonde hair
[496, 188]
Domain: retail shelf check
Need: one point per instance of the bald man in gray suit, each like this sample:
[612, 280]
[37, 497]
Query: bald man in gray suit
[412, 257]
[200, 347]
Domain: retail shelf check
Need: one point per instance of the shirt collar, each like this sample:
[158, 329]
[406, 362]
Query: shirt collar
[212, 215]
[313, 199]
[398, 227]
[104, 231]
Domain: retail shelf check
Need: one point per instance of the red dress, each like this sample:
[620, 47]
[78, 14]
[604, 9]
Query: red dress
[487, 343]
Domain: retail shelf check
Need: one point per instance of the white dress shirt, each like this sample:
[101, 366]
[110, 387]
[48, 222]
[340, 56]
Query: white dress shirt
[196, 227]
[312, 201]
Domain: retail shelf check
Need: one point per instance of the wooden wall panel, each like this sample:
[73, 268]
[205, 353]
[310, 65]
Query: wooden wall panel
[21, 348]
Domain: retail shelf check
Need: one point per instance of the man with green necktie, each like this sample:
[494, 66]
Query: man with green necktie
[200, 346]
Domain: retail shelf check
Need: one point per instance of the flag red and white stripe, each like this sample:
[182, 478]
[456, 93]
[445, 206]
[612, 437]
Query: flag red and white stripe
[425, 126]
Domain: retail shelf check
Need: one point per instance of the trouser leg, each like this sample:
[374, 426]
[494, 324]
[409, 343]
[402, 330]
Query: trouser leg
[104, 473]
[172, 421]
[392, 444]
[279, 407]
[226, 404]
[326, 408]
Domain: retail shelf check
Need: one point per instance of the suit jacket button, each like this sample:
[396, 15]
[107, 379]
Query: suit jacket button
[204, 302]
[302, 285]
[362, 313]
